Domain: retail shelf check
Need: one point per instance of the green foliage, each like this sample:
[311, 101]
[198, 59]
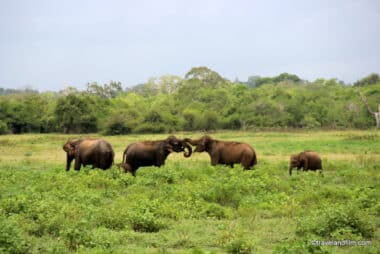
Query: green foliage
[340, 221]
[117, 125]
[187, 205]
[368, 80]
[302, 245]
[12, 239]
[144, 217]
[239, 246]
[3, 127]
[203, 100]
[75, 114]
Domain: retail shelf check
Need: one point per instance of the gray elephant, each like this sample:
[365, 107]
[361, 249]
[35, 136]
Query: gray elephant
[305, 160]
[89, 151]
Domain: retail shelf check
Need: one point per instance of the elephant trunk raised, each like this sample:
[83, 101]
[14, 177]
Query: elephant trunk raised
[187, 149]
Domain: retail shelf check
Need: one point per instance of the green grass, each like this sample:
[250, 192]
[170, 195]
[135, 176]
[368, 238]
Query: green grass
[188, 206]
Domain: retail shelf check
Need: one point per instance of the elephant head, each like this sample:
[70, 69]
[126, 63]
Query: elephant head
[70, 148]
[202, 144]
[296, 161]
[178, 145]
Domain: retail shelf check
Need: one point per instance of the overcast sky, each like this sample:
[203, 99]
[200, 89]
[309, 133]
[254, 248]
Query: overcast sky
[51, 44]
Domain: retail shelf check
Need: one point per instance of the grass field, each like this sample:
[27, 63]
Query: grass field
[188, 206]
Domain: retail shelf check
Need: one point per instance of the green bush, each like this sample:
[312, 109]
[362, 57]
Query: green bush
[215, 211]
[3, 127]
[239, 246]
[224, 193]
[117, 126]
[144, 217]
[150, 128]
[76, 235]
[298, 246]
[12, 237]
[329, 220]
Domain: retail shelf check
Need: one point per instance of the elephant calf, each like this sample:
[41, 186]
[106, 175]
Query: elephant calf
[225, 152]
[88, 151]
[305, 160]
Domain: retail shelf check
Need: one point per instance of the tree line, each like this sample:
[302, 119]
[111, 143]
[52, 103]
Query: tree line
[201, 100]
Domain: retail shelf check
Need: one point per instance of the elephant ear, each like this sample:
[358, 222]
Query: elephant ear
[71, 146]
[206, 142]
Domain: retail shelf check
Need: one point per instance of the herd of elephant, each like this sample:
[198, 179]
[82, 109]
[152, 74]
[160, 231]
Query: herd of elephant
[99, 153]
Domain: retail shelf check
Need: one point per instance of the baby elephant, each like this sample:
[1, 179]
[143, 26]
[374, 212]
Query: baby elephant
[305, 160]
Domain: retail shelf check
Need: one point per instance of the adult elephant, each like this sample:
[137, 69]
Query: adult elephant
[305, 160]
[225, 152]
[152, 153]
[89, 151]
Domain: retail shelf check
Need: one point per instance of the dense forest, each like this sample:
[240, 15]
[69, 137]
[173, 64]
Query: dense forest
[201, 100]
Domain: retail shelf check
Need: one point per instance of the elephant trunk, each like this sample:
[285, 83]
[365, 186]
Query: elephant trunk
[188, 148]
[191, 141]
[290, 170]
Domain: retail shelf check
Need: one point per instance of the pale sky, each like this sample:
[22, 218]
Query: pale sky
[51, 44]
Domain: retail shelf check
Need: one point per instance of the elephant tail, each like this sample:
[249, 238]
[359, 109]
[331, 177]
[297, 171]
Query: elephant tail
[125, 156]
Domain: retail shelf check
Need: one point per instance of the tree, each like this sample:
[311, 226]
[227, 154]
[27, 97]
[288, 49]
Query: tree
[106, 91]
[286, 77]
[69, 90]
[368, 80]
[74, 114]
[375, 114]
[206, 75]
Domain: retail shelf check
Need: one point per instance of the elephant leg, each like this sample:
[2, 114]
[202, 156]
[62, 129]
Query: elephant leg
[128, 168]
[247, 162]
[232, 165]
[214, 160]
[77, 163]
[306, 165]
[248, 167]
[68, 162]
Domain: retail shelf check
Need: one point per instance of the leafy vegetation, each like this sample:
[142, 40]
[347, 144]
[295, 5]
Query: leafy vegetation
[188, 206]
[202, 100]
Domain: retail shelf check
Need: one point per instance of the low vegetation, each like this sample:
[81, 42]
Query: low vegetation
[188, 206]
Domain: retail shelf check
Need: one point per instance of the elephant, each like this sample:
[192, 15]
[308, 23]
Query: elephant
[305, 160]
[225, 152]
[89, 151]
[152, 153]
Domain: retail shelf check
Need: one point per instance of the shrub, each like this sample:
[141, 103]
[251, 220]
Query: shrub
[117, 126]
[144, 217]
[215, 211]
[113, 216]
[298, 246]
[3, 128]
[11, 237]
[239, 246]
[150, 128]
[330, 220]
[76, 235]
[225, 194]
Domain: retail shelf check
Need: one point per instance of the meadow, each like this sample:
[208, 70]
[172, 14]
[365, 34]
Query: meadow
[189, 206]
